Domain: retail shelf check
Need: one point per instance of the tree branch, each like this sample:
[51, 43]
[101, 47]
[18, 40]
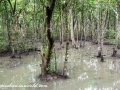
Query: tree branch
[10, 6]
[14, 7]
[52, 4]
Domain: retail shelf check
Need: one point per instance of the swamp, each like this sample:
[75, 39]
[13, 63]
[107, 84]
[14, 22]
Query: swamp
[59, 45]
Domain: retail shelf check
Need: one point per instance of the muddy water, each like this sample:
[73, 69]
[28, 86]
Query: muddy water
[86, 72]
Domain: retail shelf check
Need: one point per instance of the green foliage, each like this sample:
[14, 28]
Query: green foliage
[119, 42]
[3, 44]
[56, 34]
[110, 41]
[32, 16]
[45, 49]
[110, 34]
[52, 66]
[52, 63]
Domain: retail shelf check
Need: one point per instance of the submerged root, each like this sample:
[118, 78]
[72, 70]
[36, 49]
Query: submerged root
[13, 56]
[114, 52]
[102, 58]
[53, 76]
[99, 54]
[74, 46]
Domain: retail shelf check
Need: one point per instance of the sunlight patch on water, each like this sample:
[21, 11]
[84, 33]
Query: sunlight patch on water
[83, 76]
[91, 88]
[91, 64]
[116, 83]
[1, 71]
[111, 66]
[31, 68]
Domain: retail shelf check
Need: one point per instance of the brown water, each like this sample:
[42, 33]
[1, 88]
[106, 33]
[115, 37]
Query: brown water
[86, 72]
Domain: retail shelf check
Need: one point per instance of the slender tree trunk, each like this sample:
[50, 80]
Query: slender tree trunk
[98, 32]
[102, 41]
[82, 33]
[61, 30]
[98, 37]
[55, 61]
[81, 29]
[104, 25]
[103, 14]
[67, 44]
[7, 22]
[72, 29]
[14, 27]
[117, 32]
[43, 65]
[77, 31]
[34, 26]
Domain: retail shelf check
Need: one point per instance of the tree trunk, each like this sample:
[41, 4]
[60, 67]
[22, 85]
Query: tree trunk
[34, 26]
[72, 31]
[102, 27]
[98, 32]
[49, 11]
[82, 33]
[67, 44]
[7, 22]
[14, 26]
[117, 32]
[43, 65]
[61, 30]
[77, 31]
[98, 37]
